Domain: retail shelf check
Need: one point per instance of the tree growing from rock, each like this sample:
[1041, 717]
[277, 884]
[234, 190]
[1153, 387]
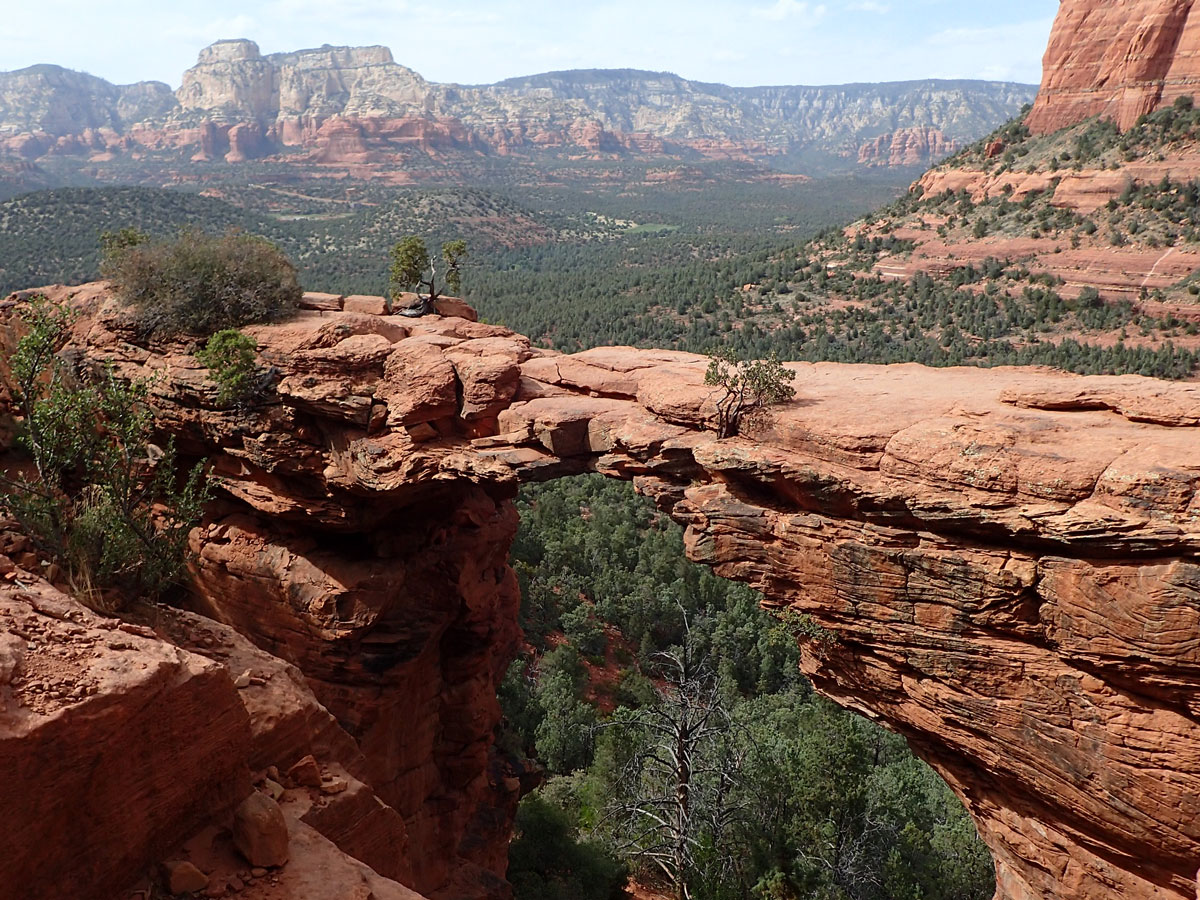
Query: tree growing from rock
[750, 388]
[230, 356]
[414, 269]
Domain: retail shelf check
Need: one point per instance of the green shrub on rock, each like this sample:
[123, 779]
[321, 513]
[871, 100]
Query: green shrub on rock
[199, 284]
[750, 386]
[229, 355]
[98, 497]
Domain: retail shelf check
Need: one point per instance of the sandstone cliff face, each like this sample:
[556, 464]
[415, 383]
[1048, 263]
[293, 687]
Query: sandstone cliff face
[230, 81]
[907, 147]
[1117, 60]
[233, 80]
[288, 98]
[1009, 558]
[392, 596]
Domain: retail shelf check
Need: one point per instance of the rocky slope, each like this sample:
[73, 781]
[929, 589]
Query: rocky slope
[1117, 60]
[1008, 559]
[1074, 196]
[356, 106]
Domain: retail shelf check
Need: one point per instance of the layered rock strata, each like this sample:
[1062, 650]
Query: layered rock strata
[907, 147]
[1118, 61]
[356, 106]
[393, 598]
[1008, 559]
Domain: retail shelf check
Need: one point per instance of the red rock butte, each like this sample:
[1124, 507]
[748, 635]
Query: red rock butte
[1008, 557]
[1119, 60]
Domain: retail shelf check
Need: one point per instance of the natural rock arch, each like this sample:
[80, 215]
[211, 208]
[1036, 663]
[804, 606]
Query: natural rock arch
[1008, 556]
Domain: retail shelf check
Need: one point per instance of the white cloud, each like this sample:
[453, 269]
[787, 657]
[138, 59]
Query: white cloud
[791, 9]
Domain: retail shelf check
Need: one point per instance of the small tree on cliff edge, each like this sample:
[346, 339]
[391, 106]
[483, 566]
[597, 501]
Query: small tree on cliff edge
[750, 387]
[413, 268]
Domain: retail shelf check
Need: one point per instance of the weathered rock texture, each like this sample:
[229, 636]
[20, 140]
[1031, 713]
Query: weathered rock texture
[1010, 560]
[114, 745]
[1117, 60]
[1119, 273]
[357, 107]
[123, 740]
[907, 147]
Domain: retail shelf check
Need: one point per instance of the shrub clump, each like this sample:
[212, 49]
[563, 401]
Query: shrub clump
[199, 283]
[97, 497]
[229, 355]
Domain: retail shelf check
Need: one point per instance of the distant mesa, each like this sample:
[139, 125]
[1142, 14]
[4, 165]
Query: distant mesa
[229, 51]
[237, 104]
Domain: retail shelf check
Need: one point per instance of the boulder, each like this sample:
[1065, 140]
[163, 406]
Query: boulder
[260, 832]
[182, 877]
[306, 772]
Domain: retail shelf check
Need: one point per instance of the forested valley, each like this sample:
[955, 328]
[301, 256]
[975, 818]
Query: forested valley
[644, 673]
[791, 798]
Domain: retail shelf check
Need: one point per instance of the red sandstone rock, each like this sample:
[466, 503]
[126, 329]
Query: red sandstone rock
[1001, 553]
[183, 877]
[1117, 60]
[371, 306]
[318, 871]
[419, 385]
[306, 772]
[321, 302]
[907, 147]
[148, 748]
[452, 306]
[246, 141]
[362, 825]
[341, 141]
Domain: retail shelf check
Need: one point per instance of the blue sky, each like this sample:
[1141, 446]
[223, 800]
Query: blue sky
[741, 42]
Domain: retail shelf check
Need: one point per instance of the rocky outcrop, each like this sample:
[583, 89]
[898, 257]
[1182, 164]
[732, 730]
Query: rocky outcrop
[355, 106]
[56, 102]
[116, 744]
[1087, 259]
[907, 147]
[124, 741]
[1118, 61]
[1009, 560]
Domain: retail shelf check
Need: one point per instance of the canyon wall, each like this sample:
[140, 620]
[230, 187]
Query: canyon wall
[1009, 558]
[357, 106]
[1117, 60]
[907, 147]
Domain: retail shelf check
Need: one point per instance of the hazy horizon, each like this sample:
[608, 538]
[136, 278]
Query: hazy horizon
[762, 42]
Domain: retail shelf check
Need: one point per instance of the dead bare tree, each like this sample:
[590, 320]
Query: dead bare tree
[676, 796]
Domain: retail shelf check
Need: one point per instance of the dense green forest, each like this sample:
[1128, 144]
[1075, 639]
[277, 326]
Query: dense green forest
[339, 234]
[791, 797]
[572, 266]
[717, 258]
